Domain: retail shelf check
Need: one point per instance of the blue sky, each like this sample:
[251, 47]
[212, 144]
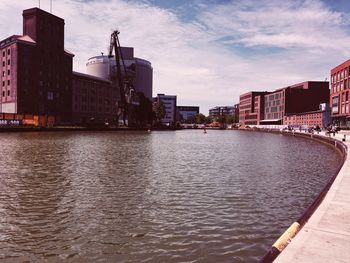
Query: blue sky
[207, 52]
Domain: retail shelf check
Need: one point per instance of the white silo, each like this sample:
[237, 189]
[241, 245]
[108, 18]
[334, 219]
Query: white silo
[98, 66]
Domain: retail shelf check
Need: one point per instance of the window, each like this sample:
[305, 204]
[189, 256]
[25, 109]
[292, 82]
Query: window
[3, 83]
[8, 62]
[8, 51]
[3, 63]
[3, 93]
[8, 93]
[8, 82]
[8, 72]
[3, 73]
[3, 53]
[50, 95]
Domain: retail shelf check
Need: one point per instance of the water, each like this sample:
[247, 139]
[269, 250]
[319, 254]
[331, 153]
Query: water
[182, 196]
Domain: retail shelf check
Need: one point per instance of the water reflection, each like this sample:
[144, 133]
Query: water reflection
[153, 197]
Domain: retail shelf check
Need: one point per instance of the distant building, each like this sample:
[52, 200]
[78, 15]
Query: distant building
[298, 98]
[94, 100]
[169, 102]
[321, 117]
[187, 113]
[221, 111]
[339, 94]
[251, 107]
[36, 70]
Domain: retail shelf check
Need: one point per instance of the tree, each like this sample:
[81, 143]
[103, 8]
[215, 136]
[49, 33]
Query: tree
[208, 120]
[159, 110]
[230, 119]
[144, 112]
[200, 118]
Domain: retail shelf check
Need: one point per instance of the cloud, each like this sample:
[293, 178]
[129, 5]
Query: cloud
[213, 56]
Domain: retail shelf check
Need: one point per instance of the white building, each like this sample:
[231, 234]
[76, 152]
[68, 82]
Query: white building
[169, 102]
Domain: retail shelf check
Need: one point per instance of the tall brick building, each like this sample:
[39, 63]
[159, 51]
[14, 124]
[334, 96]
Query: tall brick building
[339, 96]
[36, 70]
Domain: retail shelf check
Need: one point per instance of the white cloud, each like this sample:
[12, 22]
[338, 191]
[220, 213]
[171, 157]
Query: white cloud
[214, 58]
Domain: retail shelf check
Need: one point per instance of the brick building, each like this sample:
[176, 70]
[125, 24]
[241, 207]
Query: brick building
[36, 70]
[298, 98]
[251, 108]
[319, 118]
[94, 100]
[339, 94]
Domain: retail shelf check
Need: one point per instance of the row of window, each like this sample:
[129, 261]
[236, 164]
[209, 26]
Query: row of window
[8, 73]
[84, 107]
[340, 75]
[4, 62]
[4, 52]
[4, 93]
[8, 83]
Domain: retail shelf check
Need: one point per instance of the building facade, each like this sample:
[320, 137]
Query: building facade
[36, 70]
[169, 102]
[320, 118]
[221, 111]
[251, 108]
[339, 94]
[187, 114]
[94, 100]
[298, 98]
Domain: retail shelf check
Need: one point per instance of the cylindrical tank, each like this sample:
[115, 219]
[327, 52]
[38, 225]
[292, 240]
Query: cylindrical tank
[98, 66]
[140, 69]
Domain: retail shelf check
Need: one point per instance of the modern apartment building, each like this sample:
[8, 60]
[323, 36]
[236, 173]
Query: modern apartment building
[298, 98]
[339, 94]
[251, 107]
[321, 117]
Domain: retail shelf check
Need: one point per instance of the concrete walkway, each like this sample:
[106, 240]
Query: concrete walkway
[326, 236]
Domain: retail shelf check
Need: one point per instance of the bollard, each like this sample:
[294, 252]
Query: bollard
[344, 139]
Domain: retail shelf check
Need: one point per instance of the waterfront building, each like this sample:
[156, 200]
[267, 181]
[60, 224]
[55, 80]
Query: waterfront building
[187, 114]
[169, 102]
[94, 100]
[339, 94]
[221, 111]
[139, 70]
[36, 70]
[251, 107]
[299, 98]
[321, 117]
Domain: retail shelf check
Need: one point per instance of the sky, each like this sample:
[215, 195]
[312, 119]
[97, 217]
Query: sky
[207, 52]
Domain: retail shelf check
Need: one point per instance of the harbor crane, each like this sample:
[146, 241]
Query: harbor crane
[124, 82]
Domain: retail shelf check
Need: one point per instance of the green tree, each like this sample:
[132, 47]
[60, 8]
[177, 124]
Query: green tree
[200, 118]
[159, 110]
[230, 119]
[144, 112]
[208, 120]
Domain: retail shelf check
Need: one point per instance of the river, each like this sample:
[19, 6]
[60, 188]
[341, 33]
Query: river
[168, 196]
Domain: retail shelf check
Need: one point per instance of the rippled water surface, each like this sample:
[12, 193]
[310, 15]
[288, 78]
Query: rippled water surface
[182, 196]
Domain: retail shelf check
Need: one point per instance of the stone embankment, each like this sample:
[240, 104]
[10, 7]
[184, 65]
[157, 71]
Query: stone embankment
[322, 233]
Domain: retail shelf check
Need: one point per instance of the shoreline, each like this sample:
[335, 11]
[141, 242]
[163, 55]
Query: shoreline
[287, 247]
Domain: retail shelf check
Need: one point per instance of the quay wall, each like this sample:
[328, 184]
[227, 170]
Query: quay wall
[282, 242]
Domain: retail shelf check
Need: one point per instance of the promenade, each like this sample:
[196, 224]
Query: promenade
[326, 236]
